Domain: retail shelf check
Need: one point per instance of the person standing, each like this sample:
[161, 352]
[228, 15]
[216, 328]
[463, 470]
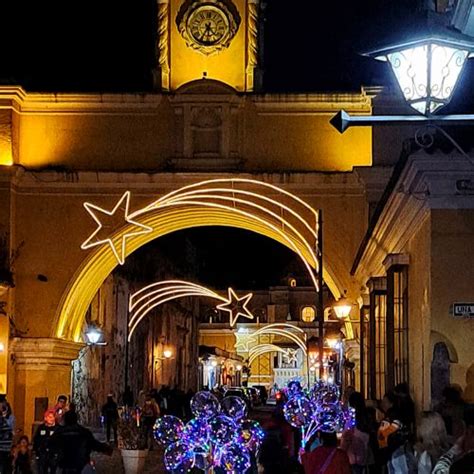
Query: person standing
[60, 409]
[74, 444]
[327, 458]
[45, 455]
[22, 457]
[111, 415]
[150, 412]
[7, 422]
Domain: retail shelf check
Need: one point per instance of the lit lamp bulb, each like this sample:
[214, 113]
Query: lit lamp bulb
[239, 367]
[167, 353]
[2, 347]
[93, 335]
[214, 363]
[343, 307]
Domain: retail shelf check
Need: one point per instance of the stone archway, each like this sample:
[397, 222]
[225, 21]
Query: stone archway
[244, 203]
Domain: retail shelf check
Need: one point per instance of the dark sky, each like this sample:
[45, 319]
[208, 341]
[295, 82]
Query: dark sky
[107, 45]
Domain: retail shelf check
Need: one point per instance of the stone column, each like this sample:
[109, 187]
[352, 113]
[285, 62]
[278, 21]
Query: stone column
[42, 368]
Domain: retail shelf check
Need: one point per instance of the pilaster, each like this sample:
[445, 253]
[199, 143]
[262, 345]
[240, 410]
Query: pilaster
[42, 368]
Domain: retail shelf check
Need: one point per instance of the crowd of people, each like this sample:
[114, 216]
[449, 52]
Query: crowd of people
[385, 439]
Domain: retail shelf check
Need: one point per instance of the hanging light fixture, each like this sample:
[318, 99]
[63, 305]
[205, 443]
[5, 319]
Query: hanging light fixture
[427, 70]
[94, 336]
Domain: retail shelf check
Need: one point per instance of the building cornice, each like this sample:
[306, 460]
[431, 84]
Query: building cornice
[427, 182]
[16, 98]
[313, 104]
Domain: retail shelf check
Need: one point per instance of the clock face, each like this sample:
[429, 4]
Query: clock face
[208, 25]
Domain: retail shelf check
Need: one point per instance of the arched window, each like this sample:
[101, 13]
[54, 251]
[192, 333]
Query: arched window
[308, 314]
[292, 282]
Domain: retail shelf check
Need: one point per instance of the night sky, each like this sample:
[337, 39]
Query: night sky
[107, 45]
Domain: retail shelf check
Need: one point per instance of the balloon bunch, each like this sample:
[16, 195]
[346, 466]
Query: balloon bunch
[318, 410]
[219, 435]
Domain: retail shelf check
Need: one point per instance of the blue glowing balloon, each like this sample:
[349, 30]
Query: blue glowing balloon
[331, 418]
[205, 405]
[222, 429]
[196, 432]
[168, 429]
[179, 457]
[235, 459]
[299, 411]
[234, 407]
[294, 388]
[251, 434]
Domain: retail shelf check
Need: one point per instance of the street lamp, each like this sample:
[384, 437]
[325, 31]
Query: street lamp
[94, 336]
[427, 69]
[342, 307]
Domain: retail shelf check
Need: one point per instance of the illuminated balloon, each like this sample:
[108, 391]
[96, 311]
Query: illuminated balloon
[251, 434]
[205, 405]
[234, 407]
[330, 418]
[235, 459]
[168, 429]
[222, 429]
[202, 460]
[298, 411]
[179, 457]
[196, 432]
[294, 388]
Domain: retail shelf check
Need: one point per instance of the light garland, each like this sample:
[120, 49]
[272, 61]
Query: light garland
[243, 340]
[120, 253]
[146, 299]
[265, 348]
[244, 203]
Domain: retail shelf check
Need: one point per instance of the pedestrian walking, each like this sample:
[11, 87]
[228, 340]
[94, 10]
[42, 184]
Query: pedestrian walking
[111, 415]
[22, 457]
[7, 422]
[74, 444]
[46, 457]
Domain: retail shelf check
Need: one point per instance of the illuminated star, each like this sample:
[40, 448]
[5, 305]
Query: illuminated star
[243, 341]
[104, 219]
[290, 356]
[236, 306]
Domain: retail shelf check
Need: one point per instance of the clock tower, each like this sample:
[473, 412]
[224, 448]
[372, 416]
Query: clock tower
[208, 39]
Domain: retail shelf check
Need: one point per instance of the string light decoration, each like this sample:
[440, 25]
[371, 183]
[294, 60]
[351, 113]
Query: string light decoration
[118, 245]
[261, 349]
[219, 435]
[320, 409]
[245, 340]
[146, 299]
[234, 202]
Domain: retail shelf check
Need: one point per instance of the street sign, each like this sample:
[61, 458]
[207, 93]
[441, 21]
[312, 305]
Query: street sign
[465, 310]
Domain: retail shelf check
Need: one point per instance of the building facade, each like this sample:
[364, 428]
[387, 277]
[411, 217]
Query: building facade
[403, 261]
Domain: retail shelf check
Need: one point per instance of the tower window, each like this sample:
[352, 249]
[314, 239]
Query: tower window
[308, 314]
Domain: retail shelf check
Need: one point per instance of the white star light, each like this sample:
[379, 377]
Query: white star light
[243, 341]
[290, 356]
[236, 306]
[119, 246]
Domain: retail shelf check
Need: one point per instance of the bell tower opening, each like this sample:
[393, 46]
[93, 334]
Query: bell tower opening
[208, 39]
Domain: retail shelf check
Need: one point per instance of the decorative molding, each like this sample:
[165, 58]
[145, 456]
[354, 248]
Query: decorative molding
[396, 259]
[252, 42]
[44, 353]
[312, 104]
[427, 182]
[22, 102]
[163, 44]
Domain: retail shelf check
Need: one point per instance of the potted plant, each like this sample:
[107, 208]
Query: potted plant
[132, 441]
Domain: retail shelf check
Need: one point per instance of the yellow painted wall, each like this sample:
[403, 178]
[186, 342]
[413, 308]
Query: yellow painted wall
[419, 314]
[187, 64]
[453, 281]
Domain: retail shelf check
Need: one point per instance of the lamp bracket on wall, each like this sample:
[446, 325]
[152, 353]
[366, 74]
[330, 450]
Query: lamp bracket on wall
[342, 120]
